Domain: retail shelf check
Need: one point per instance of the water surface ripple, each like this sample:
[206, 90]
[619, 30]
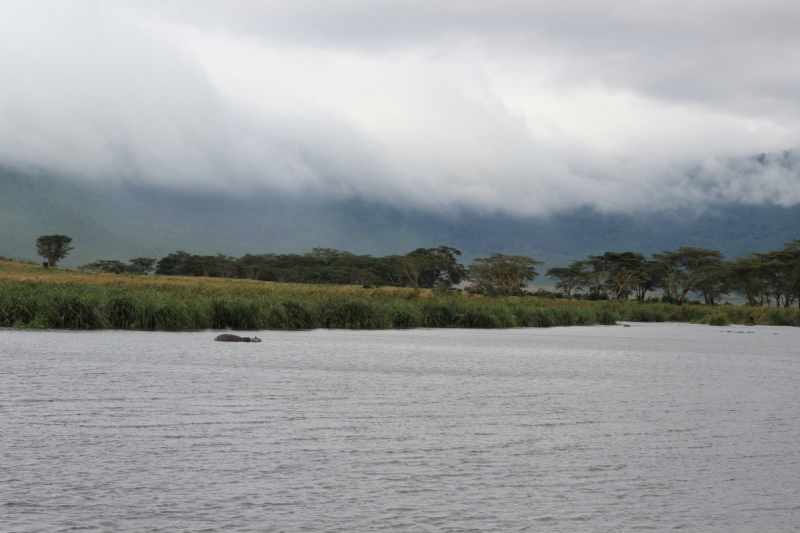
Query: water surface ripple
[650, 427]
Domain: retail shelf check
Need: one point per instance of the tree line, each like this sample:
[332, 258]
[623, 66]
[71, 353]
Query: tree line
[423, 267]
[761, 279]
[420, 268]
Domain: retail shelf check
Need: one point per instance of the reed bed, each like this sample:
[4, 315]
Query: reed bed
[166, 306]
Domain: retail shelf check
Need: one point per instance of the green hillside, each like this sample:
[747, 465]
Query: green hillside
[113, 220]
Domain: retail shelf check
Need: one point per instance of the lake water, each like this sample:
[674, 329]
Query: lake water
[649, 427]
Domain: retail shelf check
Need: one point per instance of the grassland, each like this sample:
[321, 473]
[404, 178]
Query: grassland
[31, 296]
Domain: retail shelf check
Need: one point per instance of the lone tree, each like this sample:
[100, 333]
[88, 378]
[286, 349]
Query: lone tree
[53, 247]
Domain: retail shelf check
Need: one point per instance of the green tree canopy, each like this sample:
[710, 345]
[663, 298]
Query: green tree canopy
[141, 265]
[411, 268]
[687, 267]
[568, 279]
[782, 273]
[504, 273]
[174, 264]
[53, 247]
[111, 266]
[746, 276]
[442, 267]
[614, 275]
[252, 266]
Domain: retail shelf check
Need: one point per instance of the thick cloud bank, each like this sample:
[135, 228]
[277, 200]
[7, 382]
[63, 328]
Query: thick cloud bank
[518, 107]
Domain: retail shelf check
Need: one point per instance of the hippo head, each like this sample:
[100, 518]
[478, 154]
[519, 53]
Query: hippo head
[255, 339]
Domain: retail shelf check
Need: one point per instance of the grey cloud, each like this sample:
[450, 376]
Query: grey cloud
[730, 54]
[98, 95]
[109, 90]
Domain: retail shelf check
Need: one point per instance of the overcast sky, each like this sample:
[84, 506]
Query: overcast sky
[524, 107]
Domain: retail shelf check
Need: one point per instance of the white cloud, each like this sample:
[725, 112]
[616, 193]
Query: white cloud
[524, 107]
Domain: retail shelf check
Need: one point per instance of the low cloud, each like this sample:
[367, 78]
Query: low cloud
[525, 108]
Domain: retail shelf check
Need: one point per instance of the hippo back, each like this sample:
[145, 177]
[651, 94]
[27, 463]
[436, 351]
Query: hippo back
[227, 337]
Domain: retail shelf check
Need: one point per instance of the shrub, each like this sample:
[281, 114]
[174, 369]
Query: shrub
[717, 319]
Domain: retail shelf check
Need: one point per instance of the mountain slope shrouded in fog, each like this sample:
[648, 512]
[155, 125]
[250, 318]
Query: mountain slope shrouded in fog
[530, 109]
[120, 221]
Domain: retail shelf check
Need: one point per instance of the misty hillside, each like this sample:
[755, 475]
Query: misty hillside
[122, 221]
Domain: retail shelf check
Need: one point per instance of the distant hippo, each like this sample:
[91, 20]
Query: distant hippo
[227, 337]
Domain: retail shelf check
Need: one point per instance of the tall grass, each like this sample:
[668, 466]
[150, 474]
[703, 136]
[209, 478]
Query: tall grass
[167, 306]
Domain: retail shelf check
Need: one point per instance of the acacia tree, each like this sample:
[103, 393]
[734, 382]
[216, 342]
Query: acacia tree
[595, 276]
[649, 276]
[301, 274]
[110, 266]
[714, 282]
[53, 247]
[505, 273]
[782, 271]
[363, 276]
[224, 266]
[282, 275]
[686, 267]
[174, 264]
[442, 266]
[253, 265]
[630, 274]
[411, 267]
[142, 265]
[615, 273]
[385, 269]
[569, 278]
[746, 276]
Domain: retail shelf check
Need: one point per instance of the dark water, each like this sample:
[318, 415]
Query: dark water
[651, 427]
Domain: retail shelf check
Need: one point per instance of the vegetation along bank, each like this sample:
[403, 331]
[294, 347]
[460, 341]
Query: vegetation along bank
[31, 296]
[760, 279]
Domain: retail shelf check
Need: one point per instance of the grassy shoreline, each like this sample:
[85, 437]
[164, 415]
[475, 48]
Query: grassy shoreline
[31, 296]
[174, 306]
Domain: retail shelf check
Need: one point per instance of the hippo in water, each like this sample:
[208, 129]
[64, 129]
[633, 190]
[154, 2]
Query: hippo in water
[227, 337]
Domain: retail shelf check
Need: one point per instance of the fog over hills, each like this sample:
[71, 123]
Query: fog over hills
[547, 129]
[114, 220]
